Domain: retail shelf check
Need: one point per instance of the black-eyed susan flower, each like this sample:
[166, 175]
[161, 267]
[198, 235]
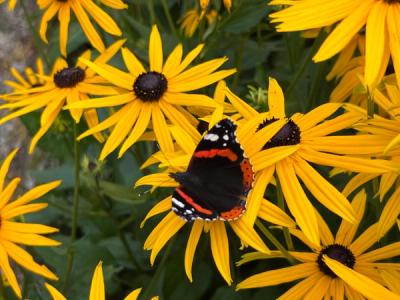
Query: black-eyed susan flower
[302, 140]
[14, 232]
[81, 10]
[340, 268]
[97, 288]
[379, 17]
[65, 84]
[150, 96]
[217, 193]
[30, 79]
[11, 4]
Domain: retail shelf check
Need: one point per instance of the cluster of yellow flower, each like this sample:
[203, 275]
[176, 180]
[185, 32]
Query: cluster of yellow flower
[153, 103]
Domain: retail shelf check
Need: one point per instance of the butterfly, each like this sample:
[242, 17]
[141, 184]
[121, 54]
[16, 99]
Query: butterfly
[217, 180]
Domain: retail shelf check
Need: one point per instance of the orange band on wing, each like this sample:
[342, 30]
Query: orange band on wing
[192, 203]
[214, 152]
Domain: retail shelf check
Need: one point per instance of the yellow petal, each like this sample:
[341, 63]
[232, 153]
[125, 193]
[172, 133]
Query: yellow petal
[323, 191]
[191, 246]
[5, 166]
[64, 18]
[155, 50]
[133, 295]
[375, 35]
[297, 201]
[359, 282]
[389, 214]
[347, 231]
[344, 32]
[56, 295]
[255, 198]
[87, 26]
[274, 277]
[241, 106]
[122, 128]
[248, 235]
[97, 289]
[8, 192]
[8, 272]
[266, 158]
[24, 259]
[138, 129]
[299, 290]
[320, 288]
[162, 206]
[275, 215]
[276, 100]
[171, 227]
[220, 249]
[33, 194]
[134, 66]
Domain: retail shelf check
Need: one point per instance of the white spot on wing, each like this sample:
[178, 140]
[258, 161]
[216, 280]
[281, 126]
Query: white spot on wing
[178, 203]
[211, 137]
[225, 137]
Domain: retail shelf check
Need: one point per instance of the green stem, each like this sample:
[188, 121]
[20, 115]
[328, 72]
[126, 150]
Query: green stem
[150, 288]
[268, 234]
[281, 204]
[169, 18]
[36, 38]
[307, 59]
[75, 208]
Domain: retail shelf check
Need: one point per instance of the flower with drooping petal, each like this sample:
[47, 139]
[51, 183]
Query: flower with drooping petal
[302, 140]
[65, 84]
[172, 223]
[378, 17]
[97, 288]
[153, 95]
[14, 232]
[81, 9]
[340, 268]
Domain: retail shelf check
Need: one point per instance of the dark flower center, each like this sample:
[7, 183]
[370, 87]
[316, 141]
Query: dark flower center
[392, 1]
[69, 77]
[336, 252]
[150, 86]
[289, 134]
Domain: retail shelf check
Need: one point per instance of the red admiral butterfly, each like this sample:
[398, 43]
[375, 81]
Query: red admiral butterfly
[217, 180]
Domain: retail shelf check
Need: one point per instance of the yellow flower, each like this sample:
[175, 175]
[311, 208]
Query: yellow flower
[81, 9]
[380, 18]
[30, 80]
[387, 131]
[302, 140]
[97, 288]
[192, 18]
[204, 4]
[13, 232]
[65, 84]
[340, 268]
[172, 223]
[11, 4]
[147, 96]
